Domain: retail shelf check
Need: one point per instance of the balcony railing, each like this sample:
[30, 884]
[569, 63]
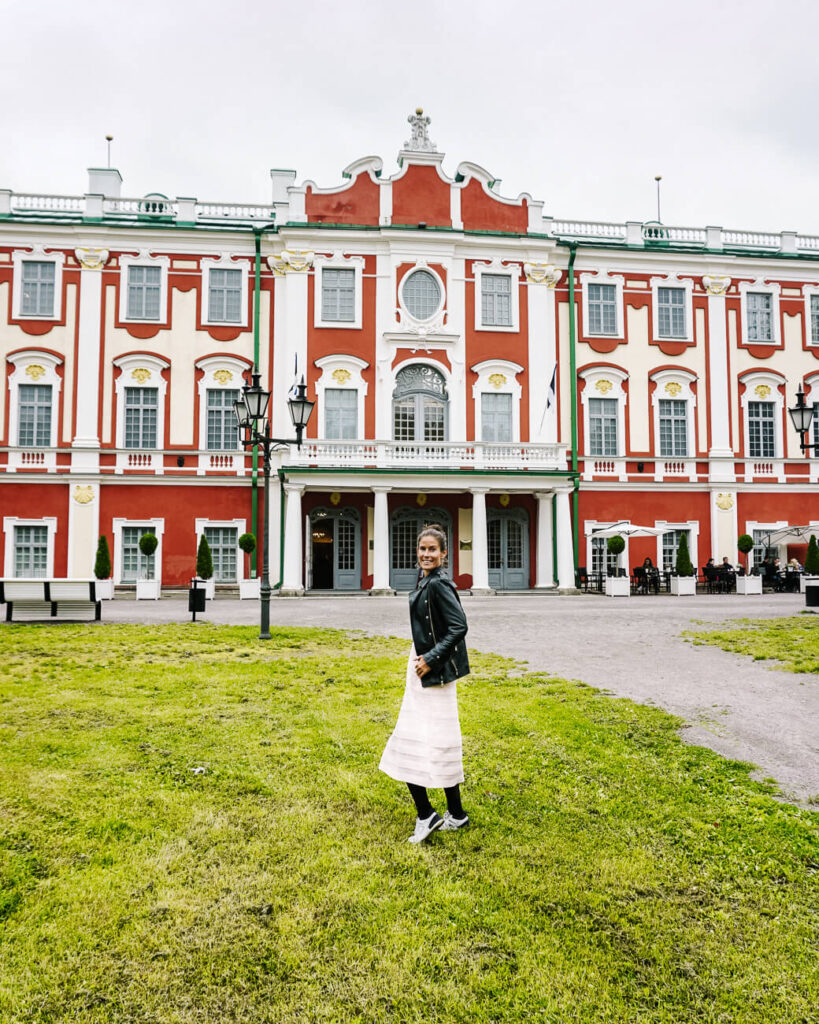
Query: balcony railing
[429, 455]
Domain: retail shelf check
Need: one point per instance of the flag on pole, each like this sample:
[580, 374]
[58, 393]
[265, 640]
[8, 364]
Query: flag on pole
[293, 392]
[551, 394]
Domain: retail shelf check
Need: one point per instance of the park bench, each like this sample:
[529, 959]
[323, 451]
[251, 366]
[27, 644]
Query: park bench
[34, 599]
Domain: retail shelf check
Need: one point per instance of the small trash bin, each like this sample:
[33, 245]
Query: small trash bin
[196, 599]
[812, 595]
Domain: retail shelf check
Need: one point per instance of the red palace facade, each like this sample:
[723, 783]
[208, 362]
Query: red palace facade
[431, 319]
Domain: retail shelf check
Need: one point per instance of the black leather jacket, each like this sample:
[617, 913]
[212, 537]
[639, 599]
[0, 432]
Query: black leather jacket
[438, 628]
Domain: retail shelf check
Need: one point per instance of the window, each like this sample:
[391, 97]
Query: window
[38, 289]
[602, 305]
[673, 428]
[144, 290]
[601, 558]
[340, 413]
[34, 423]
[671, 544]
[671, 312]
[223, 430]
[31, 551]
[419, 405]
[761, 430]
[496, 300]
[223, 547]
[761, 549]
[338, 295]
[814, 320]
[421, 295]
[496, 416]
[603, 425]
[224, 295]
[140, 417]
[135, 565]
[759, 310]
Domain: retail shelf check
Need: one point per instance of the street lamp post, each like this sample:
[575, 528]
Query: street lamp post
[802, 416]
[254, 429]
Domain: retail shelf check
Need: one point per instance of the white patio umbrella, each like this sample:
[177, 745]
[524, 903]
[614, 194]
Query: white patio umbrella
[791, 533]
[626, 529]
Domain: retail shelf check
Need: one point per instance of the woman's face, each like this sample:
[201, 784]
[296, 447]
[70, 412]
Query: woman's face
[430, 555]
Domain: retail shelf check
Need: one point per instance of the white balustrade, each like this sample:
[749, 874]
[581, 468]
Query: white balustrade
[384, 454]
[27, 203]
[751, 239]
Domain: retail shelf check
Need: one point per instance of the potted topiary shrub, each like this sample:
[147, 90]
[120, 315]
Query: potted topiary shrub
[104, 586]
[148, 588]
[809, 584]
[249, 589]
[204, 567]
[747, 584]
[617, 585]
[685, 581]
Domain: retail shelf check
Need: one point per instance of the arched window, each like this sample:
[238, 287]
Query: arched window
[419, 408]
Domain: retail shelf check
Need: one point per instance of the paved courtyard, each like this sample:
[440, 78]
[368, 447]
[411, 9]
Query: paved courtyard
[632, 647]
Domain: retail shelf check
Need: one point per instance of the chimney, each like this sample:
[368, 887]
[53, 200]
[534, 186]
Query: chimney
[104, 181]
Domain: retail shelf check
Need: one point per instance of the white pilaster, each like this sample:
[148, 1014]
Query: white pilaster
[86, 442]
[480, 547]
[381, 543]
[719, 408]
[290, 333]
[384, 321]
[83, 528]
[540, 291]
[292, 581]
[544, 565]
[565, 553]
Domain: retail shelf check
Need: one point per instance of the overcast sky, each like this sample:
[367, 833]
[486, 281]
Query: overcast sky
[578, 102]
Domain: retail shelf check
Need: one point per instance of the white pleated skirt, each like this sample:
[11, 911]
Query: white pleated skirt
[425, 746]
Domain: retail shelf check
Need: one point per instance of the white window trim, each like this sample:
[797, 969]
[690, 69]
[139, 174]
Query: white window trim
[510, 386]
[683, 378]
[763, 378]
[592, 376]
[143, 260]
[407, 320]
[693, 528]
[209, 382]
[811, 388]
[752, 524]
[9, 523]
[589, 527]
[117, 526]
[810, 290]
[349, 370]
[338, 261]
[46, 362]
[37, 255]
[225, 262]
[241, 527]
[759, 285]
[588, 277]
[129, 365]
[672, 281]
[497, 267]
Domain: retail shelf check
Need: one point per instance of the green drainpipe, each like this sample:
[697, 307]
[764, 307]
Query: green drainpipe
[573, 385]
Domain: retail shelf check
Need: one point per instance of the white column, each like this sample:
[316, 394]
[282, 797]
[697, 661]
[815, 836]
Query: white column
[565, 552]
[292, 582]
[719, 409]
[381, 543]
[480, 552]
[544, 568]
[86, 442]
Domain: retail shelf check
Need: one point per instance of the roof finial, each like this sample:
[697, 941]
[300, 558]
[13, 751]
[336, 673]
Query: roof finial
[420, 141]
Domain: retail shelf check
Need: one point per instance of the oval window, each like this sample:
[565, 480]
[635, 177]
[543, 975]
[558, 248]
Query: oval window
[421, 294]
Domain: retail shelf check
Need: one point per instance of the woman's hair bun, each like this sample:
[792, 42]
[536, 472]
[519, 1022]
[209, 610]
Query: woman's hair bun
[434, 530]
[434, 526]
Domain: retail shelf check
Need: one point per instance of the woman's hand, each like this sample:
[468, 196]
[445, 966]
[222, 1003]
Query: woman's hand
[421, 667]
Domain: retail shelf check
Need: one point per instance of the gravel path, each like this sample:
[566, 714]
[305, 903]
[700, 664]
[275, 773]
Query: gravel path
[632, 647]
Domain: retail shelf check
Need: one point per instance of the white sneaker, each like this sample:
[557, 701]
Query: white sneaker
[449, 823]
[425, 827]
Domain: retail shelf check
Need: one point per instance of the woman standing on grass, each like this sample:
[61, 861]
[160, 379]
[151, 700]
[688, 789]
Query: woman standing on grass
[425, 747]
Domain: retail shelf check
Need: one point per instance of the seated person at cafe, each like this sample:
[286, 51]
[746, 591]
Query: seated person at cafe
[652, 574]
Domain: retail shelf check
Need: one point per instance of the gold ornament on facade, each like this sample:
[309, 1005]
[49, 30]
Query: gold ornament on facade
[420, 500]
[335, 498]
[497, 380]
[716, 285]
[223, 376]
[725, 502]
[673, 388]
[35, 371]
[297, 260]
[83, 494]
[542, 273]
[91, 259]
[762, 390]
[504, 500]
[341, 376]
[141, 374]
[603, 386]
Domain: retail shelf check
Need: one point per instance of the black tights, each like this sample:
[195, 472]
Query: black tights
[424, 808]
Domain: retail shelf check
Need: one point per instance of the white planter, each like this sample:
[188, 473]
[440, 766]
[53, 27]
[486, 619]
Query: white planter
[804, 579]
[250, 590]
[749, 585]
[148, 590]
[683, 586]
[104, 589]
[618, 586]
[209, 586]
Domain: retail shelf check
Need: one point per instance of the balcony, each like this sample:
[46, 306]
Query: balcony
[420, 456]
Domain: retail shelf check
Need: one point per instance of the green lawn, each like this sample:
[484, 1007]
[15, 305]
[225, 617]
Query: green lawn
[794, 641]
[193, 829]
